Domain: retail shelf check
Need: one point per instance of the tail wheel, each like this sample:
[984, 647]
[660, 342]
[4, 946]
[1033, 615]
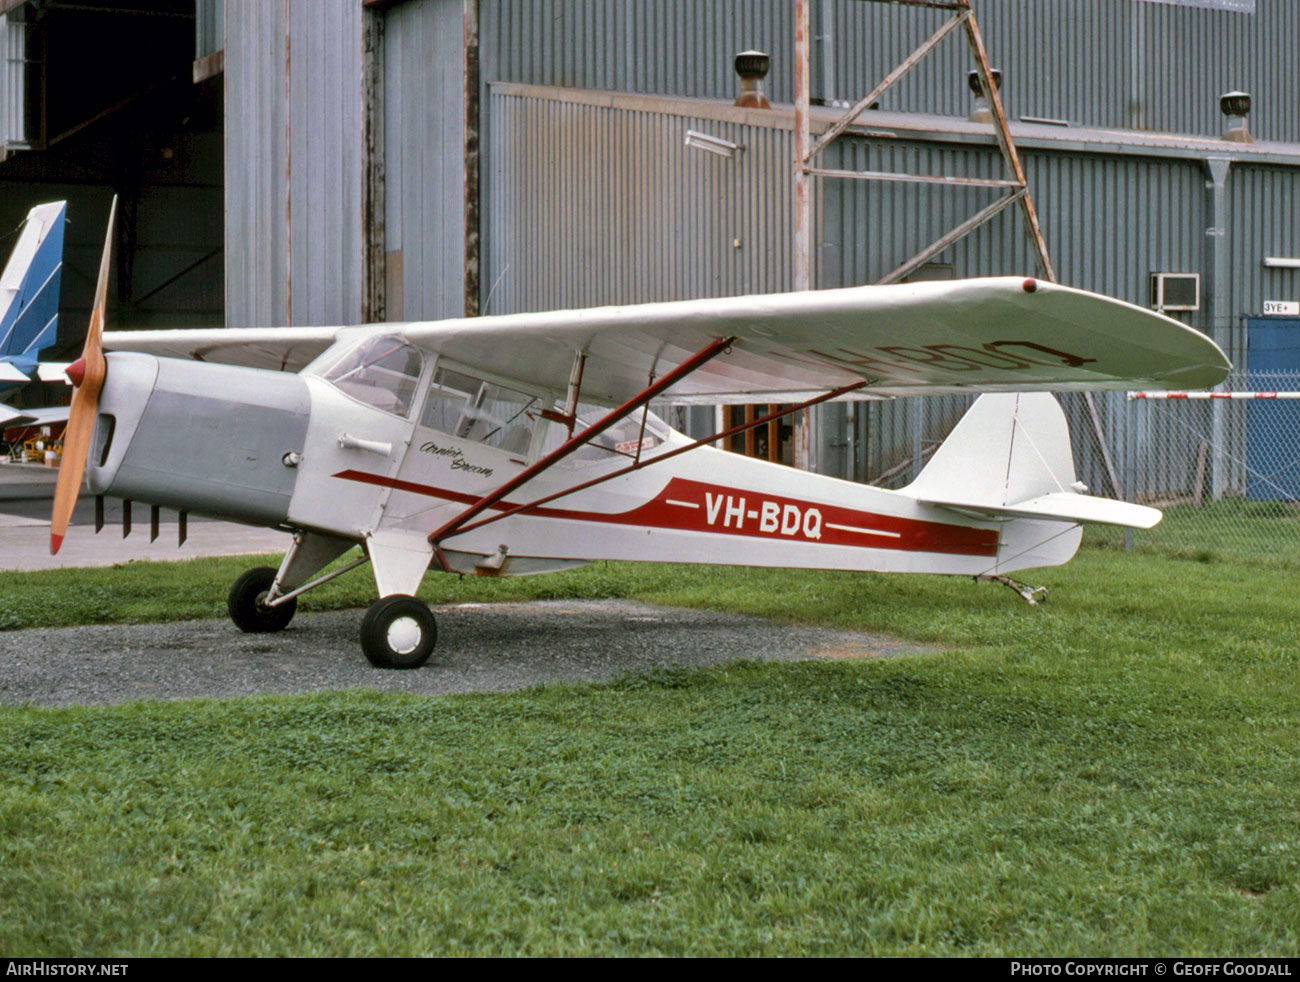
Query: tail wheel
[398, 632]
[246, 603]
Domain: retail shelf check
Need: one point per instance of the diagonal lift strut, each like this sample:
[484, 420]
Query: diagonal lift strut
[652, 389]
[741, 428]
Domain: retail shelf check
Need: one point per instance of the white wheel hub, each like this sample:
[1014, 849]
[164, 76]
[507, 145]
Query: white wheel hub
[404, 635]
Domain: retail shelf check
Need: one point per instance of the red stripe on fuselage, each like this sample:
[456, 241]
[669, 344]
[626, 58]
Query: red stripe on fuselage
[694, 506]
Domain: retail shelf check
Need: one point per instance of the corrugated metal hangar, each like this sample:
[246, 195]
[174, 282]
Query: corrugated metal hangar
[427, 158]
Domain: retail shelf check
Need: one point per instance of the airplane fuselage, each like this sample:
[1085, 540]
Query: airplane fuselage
[304, 453]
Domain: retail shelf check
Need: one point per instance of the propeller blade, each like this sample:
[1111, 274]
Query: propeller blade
[76, 445]
[87, 374]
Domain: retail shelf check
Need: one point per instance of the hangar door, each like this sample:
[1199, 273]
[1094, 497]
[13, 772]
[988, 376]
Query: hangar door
[1273, 361]
[424, 160]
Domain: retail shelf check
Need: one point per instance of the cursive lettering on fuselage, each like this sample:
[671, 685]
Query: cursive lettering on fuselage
[458, 461]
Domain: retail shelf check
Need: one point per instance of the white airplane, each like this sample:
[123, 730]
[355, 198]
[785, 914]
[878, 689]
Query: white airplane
[29, 311]
[522, 444]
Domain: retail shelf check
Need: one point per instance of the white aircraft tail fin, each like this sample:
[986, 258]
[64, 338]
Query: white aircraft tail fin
[29, 284]
[29, 301]
[1010, 457]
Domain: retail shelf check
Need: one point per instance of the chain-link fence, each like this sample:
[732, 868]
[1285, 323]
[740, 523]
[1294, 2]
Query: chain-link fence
[1224, 470]
[1224, 467]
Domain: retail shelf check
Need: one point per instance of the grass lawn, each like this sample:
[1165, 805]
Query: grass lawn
[1116, 772]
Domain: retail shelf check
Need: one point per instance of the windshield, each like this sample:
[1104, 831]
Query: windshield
[382, 372]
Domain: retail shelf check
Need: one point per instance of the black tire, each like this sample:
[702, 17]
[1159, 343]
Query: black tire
[398, 632]
[245, 604]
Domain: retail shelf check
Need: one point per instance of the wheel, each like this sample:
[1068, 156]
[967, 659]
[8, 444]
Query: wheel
[245, 603]
[398, 632]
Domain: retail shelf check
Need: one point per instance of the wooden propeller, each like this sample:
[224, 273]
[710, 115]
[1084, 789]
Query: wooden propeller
[87, 377]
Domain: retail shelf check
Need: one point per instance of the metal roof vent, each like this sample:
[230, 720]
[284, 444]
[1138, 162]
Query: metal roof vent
[981, 113]
[1236, 106]
[752, 67]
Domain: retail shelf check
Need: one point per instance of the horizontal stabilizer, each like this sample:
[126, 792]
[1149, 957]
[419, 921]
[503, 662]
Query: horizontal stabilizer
[1062, 506]
[12, 373]
[1010, 457]
[53, 371]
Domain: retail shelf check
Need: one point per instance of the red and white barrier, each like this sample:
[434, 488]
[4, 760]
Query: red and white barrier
[1214, 395]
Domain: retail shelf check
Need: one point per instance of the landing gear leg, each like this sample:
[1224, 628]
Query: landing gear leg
[398, 632]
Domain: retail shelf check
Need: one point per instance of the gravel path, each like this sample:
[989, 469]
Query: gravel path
[481, 648]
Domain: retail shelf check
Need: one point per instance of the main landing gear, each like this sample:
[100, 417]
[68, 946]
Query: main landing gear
[247, 603]
[396, 632]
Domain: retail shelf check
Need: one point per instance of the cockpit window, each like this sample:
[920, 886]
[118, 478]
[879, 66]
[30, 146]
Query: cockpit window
[382, 372]
[625, 438]
[474, 409]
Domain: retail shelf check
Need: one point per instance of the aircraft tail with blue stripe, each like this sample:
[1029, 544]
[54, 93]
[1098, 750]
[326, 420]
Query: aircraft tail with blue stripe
[29, 294]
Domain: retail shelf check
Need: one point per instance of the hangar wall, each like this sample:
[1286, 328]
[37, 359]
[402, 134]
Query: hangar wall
[1108, 63]
[590, 196]
[1264, 210]
[424, 169]
[297, 159]
[293, 157]
[596, 199]
[1115, 64]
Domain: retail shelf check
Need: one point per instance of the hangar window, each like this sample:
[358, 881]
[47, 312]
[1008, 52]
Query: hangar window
[772, 441]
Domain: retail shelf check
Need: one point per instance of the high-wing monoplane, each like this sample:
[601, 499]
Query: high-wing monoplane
[523, 443]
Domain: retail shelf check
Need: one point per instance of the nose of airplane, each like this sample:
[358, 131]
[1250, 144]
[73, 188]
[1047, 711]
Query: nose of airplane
[211, 439]
[76, 373]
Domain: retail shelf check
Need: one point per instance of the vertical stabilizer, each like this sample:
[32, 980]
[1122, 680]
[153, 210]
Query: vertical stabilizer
[1007, 448]
[1010, 457]
[29, 287]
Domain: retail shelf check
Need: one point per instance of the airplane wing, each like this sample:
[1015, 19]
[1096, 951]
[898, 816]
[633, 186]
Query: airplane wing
[9, 416]
[994, 334]
[283, 349]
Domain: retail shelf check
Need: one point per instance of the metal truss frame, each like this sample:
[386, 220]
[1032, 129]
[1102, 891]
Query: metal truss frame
[806, 150]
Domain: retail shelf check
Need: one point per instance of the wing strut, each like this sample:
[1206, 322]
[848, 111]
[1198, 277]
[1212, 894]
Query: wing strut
[529, 506]
[700, 358]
